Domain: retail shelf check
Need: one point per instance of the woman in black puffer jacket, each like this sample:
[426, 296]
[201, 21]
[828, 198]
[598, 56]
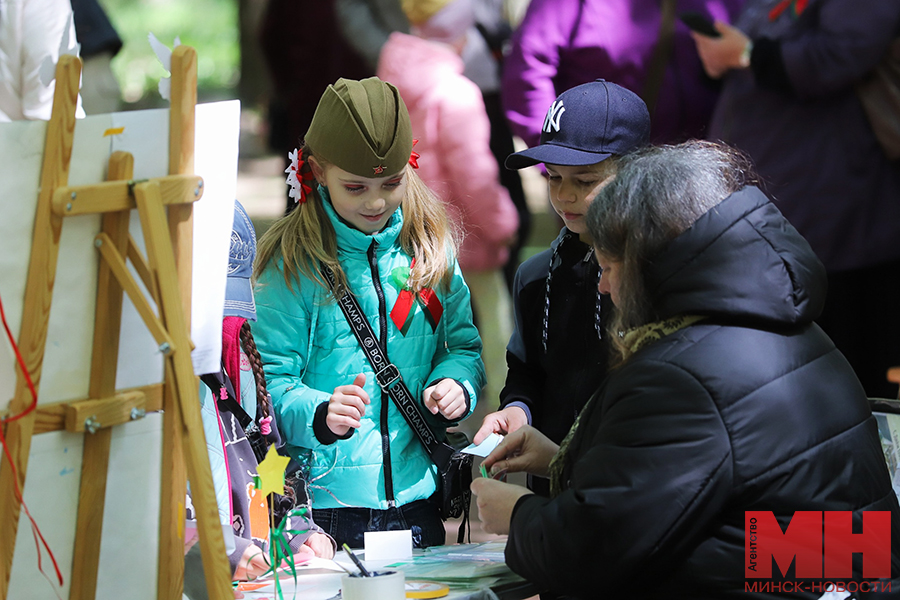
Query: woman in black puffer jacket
[726, 397]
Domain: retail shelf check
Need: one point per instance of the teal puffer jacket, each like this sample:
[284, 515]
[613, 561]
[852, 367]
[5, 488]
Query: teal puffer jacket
[308, 349]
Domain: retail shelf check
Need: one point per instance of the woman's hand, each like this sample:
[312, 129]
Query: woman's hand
[721, 54]
[503, 422]
[446, 397]
[526, 449]
[496, 501]
[347, 406]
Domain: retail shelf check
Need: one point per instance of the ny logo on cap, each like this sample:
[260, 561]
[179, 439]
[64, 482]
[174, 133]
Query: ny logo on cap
[551, 121]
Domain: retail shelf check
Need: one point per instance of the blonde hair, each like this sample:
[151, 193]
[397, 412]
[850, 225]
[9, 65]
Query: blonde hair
[305, 238]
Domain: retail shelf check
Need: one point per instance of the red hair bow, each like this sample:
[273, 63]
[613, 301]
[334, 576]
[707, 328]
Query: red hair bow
[297, 179]
[414, 157]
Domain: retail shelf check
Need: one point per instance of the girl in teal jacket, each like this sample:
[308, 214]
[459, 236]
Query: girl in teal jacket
[364, 213]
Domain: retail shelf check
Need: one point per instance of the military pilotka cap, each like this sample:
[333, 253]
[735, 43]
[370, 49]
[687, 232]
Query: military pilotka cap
[587, 124]
[362, 127]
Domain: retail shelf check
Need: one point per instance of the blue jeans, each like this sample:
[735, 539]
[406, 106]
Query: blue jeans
[347, 525]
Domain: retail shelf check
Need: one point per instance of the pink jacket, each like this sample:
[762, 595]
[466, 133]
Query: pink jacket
[449, 120]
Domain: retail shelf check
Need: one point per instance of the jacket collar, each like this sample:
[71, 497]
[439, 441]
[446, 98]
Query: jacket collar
[352, 240]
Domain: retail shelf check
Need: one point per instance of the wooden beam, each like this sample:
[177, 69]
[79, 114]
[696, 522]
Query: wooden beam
[105, 413]
[52, 416]
[116, 264]
[115, 196]
[161, 255]
[104, 363]
[180, 223]
[140, 265]
[36, 305]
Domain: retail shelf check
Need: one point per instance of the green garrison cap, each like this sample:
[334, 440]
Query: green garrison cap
[362, 127]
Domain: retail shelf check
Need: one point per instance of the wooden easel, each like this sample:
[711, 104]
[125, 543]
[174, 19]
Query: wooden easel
[166, 272]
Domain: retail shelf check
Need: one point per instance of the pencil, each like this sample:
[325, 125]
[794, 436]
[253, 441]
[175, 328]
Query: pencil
[356, 561]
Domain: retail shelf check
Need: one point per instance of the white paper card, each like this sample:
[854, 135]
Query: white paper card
[388, 545]
[485, 447]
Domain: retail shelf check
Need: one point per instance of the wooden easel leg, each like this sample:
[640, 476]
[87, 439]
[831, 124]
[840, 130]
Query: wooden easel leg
[180, 227]
[162, 259]
[104, 362]
[36, 307]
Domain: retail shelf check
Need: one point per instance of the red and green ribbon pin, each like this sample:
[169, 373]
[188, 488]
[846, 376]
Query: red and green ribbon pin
[403, 308]
[797, 7]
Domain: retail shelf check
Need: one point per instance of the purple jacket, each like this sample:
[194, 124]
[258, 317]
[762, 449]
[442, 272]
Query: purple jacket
[563, 43]
[809, 137]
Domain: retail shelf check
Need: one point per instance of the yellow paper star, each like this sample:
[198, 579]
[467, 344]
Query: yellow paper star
[271, 472]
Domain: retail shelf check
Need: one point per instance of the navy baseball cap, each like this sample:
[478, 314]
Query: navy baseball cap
[238, 290]
[587, 124]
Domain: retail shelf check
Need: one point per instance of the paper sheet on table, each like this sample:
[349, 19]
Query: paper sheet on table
[485, 447]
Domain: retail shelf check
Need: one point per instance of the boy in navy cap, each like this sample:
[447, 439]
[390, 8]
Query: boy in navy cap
[557, 356]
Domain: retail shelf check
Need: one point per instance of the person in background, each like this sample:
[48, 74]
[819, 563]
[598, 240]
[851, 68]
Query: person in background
[557, 354]
[31, 35]
[239, 428]
[366, 26]
[366, 217]
[789, 72]
[100, 43]
[296, 88]
[453, 132]
[563, 43]
[724, 397]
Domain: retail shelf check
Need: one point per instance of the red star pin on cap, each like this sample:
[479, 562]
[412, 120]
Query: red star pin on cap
[379, 169]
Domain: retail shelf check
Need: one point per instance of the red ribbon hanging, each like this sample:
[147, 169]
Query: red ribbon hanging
[432, 305]
[402, 307]
[35, 530]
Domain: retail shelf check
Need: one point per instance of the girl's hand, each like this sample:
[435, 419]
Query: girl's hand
[320, 545]
[347, 406]
[503, 422]
[446, 396]
[496, 501]
[526, 449]
[721, 54]
[253, 563]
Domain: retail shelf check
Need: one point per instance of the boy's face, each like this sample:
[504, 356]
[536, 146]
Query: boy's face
[366, 203]
[572, 189]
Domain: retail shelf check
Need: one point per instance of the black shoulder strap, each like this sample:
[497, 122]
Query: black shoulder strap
[228, 401]
[388, 376]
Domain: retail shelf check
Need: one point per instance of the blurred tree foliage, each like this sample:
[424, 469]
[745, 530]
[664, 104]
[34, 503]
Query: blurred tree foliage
[210, 26]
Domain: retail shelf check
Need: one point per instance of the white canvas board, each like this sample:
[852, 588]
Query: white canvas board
[51, 494]
[145, 135]
[66, 373]
[129, 547]
[217, 130]
[21, 149]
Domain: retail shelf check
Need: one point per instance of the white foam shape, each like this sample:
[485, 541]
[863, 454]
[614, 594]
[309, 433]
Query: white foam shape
[164, 55]
[68, 46]
[47, 71]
